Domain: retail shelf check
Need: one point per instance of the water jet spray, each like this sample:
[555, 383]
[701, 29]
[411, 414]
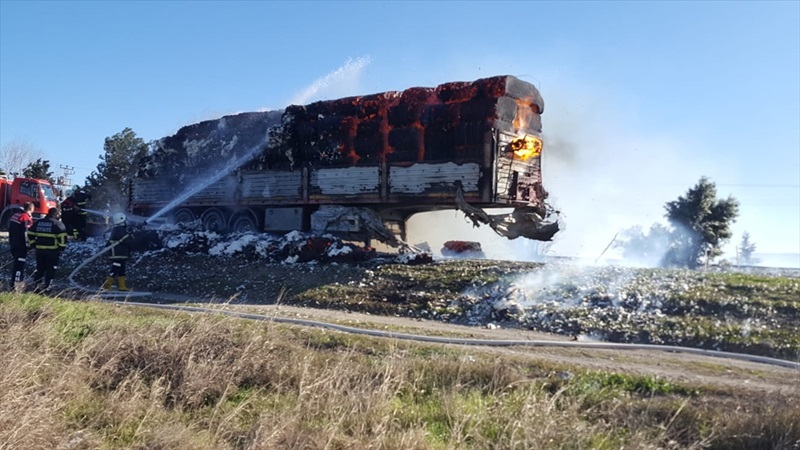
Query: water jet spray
[233, 165]
[207, 181]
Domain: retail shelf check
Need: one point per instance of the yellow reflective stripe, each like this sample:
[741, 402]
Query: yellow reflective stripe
[58, 241]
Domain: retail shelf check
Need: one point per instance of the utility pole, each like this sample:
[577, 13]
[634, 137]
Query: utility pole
[64, 181]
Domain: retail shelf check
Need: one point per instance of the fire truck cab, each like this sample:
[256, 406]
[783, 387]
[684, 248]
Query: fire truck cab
[15, 193]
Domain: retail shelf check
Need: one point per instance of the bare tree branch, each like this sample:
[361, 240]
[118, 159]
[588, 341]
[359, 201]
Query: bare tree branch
[17, 154]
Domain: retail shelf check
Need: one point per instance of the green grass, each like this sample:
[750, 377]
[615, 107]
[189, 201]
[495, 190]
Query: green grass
[123, 377]
[614, 384]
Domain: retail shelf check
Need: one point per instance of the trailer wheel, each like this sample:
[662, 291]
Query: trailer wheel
[214, 220]
[183, 215]
[244, 223]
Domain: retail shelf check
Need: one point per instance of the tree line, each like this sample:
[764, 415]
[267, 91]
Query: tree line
[108, 184]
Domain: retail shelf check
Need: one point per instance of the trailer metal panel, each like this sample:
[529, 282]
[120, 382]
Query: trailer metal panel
[272, 185]
[430, 178]
[283, 219]
[346, 181]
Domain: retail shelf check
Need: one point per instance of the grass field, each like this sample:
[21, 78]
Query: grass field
[87, 375]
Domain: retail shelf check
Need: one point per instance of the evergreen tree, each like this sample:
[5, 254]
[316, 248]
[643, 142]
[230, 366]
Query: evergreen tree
[701, 224]
[746, 250]
[109, 184]
[39, 169]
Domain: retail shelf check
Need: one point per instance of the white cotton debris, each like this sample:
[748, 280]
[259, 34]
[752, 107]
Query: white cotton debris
[230, 248]
[335, 250]
[178, 241]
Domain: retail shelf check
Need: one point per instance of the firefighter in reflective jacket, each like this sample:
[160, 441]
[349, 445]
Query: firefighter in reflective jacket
[69, 215]
[18, 226]
[49, 238]
[120, 243]
[81, 200]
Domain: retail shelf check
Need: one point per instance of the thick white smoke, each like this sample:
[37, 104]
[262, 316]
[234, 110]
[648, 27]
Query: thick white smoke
[607, 173]
[604, 172]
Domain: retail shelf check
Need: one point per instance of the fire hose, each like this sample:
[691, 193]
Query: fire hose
[475, 342]
[105, 249]
[71, 276]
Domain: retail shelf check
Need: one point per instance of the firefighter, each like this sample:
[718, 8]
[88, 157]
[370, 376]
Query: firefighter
[49, 236]
[69, 215]
[81, 200]
[120, 242]
[18, 226]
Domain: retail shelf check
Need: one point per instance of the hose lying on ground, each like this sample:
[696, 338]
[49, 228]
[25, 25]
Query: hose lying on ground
[71, 276]
[480, 342]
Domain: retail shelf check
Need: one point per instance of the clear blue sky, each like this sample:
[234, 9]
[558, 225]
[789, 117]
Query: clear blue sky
[642, 98]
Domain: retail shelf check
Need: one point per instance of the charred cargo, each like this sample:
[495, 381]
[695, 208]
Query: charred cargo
[359, 166]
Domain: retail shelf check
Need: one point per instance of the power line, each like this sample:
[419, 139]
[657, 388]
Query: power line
[763, 185]
[65, 179]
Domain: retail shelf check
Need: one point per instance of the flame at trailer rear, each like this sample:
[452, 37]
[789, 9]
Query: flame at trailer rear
[525, 109]
[527, 147]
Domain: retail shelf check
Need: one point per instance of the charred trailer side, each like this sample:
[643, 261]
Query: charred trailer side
[352, 166]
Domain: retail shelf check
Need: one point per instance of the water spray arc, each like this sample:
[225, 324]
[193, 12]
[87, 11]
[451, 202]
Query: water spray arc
[207, 181]
[231, 166]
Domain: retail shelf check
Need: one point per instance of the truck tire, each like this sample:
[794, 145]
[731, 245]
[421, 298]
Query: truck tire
[214, 220]
[244, 222]
[183, 215]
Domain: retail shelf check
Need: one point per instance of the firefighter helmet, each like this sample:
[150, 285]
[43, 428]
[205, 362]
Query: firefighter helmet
[118, 218]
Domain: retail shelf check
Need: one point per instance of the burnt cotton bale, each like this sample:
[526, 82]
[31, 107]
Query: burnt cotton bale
[449, 121]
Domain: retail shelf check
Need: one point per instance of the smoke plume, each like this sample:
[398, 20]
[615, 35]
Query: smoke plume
[604, 171]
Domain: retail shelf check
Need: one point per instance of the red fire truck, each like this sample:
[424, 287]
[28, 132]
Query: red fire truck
[15, 193]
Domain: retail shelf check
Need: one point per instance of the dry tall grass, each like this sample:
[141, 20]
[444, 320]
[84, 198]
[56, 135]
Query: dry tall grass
[86, 376]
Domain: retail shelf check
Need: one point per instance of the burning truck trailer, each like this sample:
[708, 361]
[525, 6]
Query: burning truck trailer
[359, 167]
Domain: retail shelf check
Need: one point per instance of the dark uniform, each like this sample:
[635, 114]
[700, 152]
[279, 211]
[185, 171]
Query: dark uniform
[120, 242]
[69, 216]
[81, 202]
[18, 227]
[49, 236]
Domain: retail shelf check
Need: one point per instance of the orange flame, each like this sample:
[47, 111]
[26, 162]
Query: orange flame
[527, 147]
[524, 112]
